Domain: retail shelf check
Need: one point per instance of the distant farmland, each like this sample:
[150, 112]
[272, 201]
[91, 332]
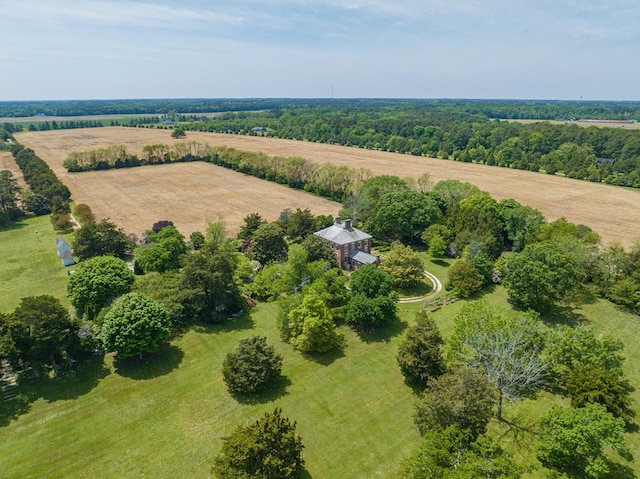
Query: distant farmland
[188, 194]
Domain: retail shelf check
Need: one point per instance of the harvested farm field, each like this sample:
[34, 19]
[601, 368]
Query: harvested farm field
[8, 163]
[611, 211]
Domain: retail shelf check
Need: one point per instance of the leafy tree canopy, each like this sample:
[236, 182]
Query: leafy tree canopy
[100, 239]
[541, 275]
[40, 333]
[404, 265]
[462, 397]
[252, 367]
[420, 355]
[574, 440]
[135, 325]
[268, 244]
[269, 448]
[371, 281]
[96, 282]
[309, 326]
[449, 454]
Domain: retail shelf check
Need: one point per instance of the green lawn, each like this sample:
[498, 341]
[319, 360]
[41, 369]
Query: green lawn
[30, 265]
[165, 416]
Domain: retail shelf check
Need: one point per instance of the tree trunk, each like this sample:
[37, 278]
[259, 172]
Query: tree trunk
[499, 415]
[54, 365]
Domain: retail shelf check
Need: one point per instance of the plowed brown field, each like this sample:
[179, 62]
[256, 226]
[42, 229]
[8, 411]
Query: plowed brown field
[188, 194]
[8, 163]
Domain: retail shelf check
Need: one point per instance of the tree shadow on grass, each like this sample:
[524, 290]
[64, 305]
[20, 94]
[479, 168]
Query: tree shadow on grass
[277, 390]
[563, 315]
[18, 225]
[383, 334]
[440, 262]
[12, 409]
[67, 385]
[151, 365]
[521, 431]
[304, 474]
[244, 321]
[326, 358]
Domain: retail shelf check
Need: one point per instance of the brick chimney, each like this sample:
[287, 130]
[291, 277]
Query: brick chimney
[347, 224]
[338, 221]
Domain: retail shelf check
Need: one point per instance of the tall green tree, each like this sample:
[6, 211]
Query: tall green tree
[164, 251]
[541, 275]
[9, 198]
[253, 367]
[96, 282]
[462, 397]
[100, 239]
[269, 448]
[420, 354]
[463, 278]
[310, 327]
[135, 325]
[41, 334]
[404, 265]
[268, 244]
[251, 223]
[209, 286]
[449, 454]
[371, 282]
[403, 215]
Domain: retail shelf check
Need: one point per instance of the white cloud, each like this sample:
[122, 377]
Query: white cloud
[114, 13]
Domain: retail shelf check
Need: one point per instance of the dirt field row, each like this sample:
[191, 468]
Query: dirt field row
[611, 211]
[8, 163]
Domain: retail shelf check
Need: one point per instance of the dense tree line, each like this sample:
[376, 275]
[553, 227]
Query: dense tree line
[331, 181]
[610, 155]
[528, 109]
[47, 194]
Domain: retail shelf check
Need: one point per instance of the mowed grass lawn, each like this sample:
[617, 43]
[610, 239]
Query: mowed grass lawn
[29, 263]
[165, 416]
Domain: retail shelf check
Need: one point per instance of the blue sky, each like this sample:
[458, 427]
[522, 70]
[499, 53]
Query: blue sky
[537, 49]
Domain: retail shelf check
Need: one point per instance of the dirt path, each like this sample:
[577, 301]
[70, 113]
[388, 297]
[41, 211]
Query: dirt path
[437, 289]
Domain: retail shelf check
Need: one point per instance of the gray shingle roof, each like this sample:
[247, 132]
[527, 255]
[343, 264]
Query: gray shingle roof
[341, 236]
[362, 257]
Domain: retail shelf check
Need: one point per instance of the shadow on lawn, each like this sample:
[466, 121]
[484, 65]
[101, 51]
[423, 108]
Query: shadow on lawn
[563, 315]
[150, 366]
[521, 431]
[67, 385]
[383, 334]
[326, 358]
[244, 321]
[276, 391]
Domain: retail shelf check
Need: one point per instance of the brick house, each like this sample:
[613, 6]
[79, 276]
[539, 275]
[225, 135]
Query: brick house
[351, 245]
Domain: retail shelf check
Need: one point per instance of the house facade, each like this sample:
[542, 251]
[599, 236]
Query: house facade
[351, 245]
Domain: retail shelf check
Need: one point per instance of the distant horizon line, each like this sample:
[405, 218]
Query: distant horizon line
[330, 99]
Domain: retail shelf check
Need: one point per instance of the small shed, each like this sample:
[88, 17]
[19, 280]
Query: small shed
[64, 252]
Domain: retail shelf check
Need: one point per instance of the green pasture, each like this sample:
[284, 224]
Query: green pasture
[29, 263]
[165, 415]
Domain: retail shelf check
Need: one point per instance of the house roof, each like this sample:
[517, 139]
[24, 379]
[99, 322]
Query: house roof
[362, 257]
[342, 233]
[62, 246]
